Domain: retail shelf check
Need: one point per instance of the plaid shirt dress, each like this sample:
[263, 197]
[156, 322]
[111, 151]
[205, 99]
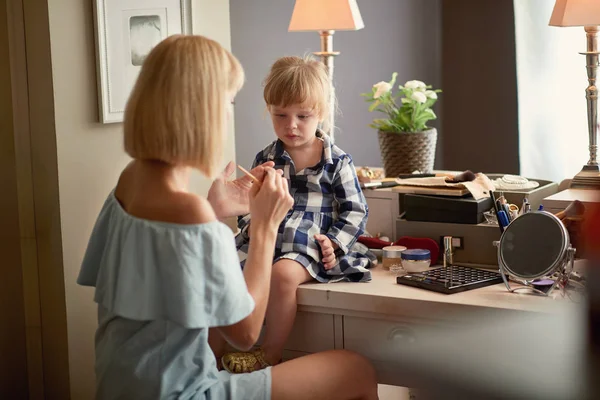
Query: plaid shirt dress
[327, 200]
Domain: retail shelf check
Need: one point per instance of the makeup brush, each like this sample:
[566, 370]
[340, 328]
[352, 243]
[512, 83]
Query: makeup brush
[576, 208]
[254, 179]
[466, 176]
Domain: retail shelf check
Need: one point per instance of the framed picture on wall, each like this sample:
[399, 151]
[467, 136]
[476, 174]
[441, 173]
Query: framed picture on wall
[126, 31]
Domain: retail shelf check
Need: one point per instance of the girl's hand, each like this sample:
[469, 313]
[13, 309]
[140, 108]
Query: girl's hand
[327, 250]
[230, 198]
[270, 201]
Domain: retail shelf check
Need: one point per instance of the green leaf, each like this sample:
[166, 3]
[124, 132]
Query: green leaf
[429, 102]
[404, 118]
[421, 118]
[374, 105]
[393, 81]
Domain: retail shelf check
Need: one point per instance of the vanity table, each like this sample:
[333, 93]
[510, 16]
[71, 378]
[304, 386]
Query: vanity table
[378, 318]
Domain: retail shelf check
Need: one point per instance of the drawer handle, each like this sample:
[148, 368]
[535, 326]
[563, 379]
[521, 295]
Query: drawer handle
[402, 335]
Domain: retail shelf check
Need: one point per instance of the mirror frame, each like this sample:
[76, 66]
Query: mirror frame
[565, 257]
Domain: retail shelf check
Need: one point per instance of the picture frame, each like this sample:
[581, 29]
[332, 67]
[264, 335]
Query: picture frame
[126, 31]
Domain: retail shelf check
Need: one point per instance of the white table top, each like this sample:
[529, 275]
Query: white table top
[383, 295]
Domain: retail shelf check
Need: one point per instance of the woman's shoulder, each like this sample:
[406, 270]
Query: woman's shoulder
[190, 209]
[156, 203]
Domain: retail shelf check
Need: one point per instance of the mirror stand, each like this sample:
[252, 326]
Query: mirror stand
[560, 276]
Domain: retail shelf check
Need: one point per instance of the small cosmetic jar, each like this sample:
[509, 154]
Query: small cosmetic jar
[416, 260]
[392, 258]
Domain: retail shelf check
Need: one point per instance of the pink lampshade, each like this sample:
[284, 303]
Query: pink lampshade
[575, 13]
[323, 15]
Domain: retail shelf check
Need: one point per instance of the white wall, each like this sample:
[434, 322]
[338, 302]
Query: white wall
[90, 157]
[211, 19]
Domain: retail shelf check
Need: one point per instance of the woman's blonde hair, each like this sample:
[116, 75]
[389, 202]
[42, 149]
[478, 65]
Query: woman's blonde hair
[300, 80]
[176, 112]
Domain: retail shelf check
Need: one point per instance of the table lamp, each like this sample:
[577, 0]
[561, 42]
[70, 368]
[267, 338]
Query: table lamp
[326, 17]
[585, 13]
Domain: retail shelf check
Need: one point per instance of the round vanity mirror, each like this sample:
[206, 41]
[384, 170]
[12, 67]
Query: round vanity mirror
[535, 250]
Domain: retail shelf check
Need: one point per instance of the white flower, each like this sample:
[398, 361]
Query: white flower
[416, 85]
[431, 94]
[419, 97]
[381, 88]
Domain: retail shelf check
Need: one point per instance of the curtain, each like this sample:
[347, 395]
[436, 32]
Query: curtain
[551, 81]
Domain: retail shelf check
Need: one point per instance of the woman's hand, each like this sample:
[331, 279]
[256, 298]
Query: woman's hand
[230, 198]
[270, 201]
[327, 250]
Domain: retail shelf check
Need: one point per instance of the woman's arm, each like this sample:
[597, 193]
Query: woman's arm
[269, 204]
[257, 273]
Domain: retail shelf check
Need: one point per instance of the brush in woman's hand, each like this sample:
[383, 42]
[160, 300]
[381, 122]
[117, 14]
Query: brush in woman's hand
[254, 179]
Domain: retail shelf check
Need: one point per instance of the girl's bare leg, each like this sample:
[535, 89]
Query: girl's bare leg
[287, 275]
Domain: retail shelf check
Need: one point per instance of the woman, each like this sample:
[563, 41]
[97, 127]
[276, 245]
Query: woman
[166, 271]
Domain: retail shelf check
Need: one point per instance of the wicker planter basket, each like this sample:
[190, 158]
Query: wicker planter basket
[404, 153]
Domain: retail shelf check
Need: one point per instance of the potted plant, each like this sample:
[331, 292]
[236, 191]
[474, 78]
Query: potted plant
[407, 144]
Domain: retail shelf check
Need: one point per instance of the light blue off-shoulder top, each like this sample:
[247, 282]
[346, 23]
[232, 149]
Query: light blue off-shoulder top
[159, 288]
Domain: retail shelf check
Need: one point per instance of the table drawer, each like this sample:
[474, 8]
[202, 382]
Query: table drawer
[378, 340]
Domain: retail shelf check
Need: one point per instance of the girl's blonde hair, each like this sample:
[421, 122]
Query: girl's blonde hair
[176, 112]
[297, 80]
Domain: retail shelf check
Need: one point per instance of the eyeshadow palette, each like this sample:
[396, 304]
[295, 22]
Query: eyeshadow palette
[450, 280]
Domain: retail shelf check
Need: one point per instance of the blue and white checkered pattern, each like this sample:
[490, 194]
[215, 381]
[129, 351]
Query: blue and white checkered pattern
[327, 200]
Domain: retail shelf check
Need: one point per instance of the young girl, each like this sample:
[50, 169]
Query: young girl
[318, 238]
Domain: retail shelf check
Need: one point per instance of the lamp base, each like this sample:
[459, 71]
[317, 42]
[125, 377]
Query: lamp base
[327, 55]
[587, 178]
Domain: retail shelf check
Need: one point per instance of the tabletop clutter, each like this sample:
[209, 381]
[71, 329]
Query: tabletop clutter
[455, 198]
